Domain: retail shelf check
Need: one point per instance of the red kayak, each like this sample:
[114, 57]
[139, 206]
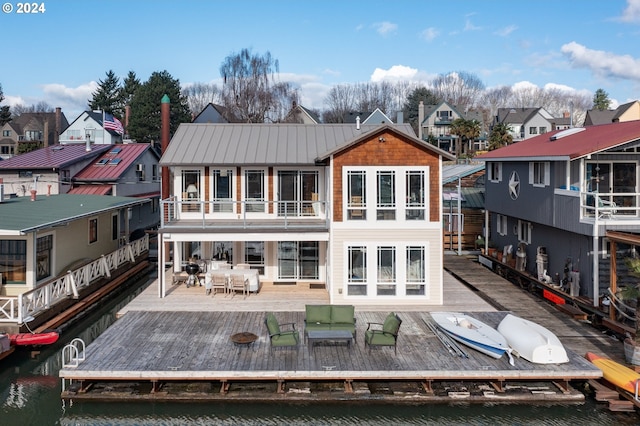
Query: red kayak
[33, 339]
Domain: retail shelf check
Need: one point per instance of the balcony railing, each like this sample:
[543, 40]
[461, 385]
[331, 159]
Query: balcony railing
[244, 214]
[13, 309]
[610, 206]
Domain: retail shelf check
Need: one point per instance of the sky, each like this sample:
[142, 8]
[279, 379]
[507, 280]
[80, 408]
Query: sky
[59, 54]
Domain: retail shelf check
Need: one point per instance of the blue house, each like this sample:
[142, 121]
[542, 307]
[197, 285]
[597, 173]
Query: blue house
[556, 197]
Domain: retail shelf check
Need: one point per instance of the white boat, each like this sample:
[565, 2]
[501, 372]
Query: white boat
[473, 333]
[532, 341]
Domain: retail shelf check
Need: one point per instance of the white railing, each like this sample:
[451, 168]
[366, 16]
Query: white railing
[245, 213]
[34, 302]
[623, 205]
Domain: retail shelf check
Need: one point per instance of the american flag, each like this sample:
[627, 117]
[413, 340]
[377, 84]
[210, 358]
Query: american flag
[112, 123]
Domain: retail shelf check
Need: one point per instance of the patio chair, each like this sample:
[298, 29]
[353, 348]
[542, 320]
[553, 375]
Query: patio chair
[385, 334]
[239, 283]
[219, 282]
[606, 208]
[279, 337]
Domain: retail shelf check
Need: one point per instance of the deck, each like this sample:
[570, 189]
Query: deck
[145, 354]
[151, 347]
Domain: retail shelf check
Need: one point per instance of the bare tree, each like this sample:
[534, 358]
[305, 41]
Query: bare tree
[41, 106]
[340, 100]
[251, 91]
[461, 89]
[199, 95]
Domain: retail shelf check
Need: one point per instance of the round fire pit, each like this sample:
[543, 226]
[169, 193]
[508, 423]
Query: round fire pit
[245, 338]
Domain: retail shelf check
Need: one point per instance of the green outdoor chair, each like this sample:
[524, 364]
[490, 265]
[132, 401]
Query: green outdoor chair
[385, 334]
[278, 337]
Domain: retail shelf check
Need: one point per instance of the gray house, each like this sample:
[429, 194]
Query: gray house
[559, 194]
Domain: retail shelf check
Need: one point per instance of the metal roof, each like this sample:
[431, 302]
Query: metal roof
[568, 144]
[91, 189]
[113, 163]
[262, 144]
[21, 215]
[450, 172]
[472, 198]
[53, 157]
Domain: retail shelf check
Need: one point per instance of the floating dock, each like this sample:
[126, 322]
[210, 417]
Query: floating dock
[189, 356]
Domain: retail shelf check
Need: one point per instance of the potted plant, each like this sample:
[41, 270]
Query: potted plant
[632, 293]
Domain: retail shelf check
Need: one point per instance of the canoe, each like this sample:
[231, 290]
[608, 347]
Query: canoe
[33, 339]
[473, 333]
[614, 372]
[532, 341]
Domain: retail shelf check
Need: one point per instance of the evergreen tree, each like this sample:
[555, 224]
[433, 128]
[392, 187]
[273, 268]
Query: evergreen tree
[601, 100]
[107, 95]
[466, 130]
[130, 84]
[145, 122]
[411, 105]
[5, 115]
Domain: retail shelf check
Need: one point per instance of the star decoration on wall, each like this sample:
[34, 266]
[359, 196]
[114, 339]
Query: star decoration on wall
[514, 185]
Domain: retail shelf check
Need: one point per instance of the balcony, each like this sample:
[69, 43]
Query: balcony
[615, 211]
[249, 215]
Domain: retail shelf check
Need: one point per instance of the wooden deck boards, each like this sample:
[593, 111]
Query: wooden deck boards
[190, 345]
[157, 340]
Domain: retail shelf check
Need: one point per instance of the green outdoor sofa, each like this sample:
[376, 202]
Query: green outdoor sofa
[330, 317]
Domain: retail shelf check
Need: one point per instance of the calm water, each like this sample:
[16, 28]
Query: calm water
[30, 395]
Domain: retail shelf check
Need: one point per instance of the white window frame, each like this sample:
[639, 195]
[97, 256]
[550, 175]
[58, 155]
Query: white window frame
[403, 207]
[524, 231]
[400, 281]
[501, 224]
[255, 208]
[494, 172]
[539, 173]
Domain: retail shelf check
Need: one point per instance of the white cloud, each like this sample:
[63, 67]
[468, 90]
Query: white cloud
[385, 28]
[14, 100]
[503, 32]
[429, 34]
[395, 73]
[632, 12]
[468, 26]
[601, 63]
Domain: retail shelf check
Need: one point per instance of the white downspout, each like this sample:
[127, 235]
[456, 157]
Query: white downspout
[596, 269]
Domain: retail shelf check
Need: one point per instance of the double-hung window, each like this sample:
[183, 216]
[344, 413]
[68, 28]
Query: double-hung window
[254, 191]
[222, 190]
[539, 174]
[415, 209]
[356, 195]
[386, 195]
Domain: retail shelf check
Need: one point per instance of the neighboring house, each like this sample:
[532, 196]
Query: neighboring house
[213, 114]
[129, 170]
[42, 128]
[562, 123]
[354, 209]
[525, 123]
[89, 127]
[626, 112]
[301, 115]
[47, 170]
[555, 191]
[369, 117]
[435, 125]
[41, 238]
[464, 183]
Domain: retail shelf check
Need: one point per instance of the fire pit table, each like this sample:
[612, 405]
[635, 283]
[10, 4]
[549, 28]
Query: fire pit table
[244, 338]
